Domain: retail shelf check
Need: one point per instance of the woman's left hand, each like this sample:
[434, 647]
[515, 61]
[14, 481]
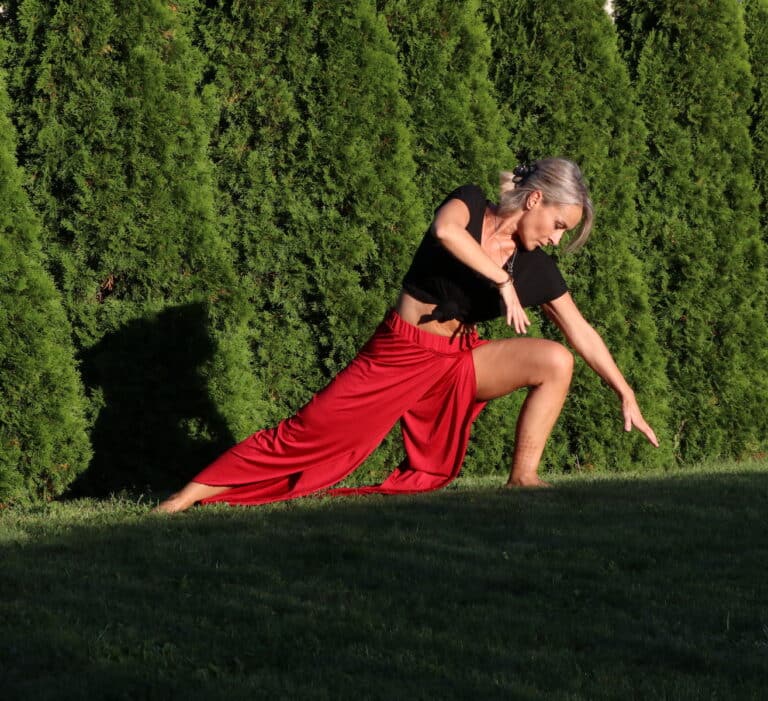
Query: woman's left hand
[514, 312]
[634, 417]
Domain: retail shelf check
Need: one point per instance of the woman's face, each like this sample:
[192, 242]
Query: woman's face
[544, 224]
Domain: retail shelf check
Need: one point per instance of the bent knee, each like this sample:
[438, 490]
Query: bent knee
[559, 361]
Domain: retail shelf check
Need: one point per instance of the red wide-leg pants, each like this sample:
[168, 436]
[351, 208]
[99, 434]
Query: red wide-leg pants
[403, 373]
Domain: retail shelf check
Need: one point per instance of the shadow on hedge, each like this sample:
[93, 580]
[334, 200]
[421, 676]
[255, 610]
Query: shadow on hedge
[158, 425]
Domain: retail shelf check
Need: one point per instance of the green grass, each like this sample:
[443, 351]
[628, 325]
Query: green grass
[625, 587]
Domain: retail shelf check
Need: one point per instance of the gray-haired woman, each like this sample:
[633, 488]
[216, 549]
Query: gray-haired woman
[426, 366]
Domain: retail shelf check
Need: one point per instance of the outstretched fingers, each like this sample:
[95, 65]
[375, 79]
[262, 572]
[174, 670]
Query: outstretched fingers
[515, 314]
[634, 417]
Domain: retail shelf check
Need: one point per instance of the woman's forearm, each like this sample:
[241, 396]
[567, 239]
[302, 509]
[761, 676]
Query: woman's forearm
[587, 342]
[590, 346]
[459, 243]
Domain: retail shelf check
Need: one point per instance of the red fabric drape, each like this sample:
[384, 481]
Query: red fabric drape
[402, 373]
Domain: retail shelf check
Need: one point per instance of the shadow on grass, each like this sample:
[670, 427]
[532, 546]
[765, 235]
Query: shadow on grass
[612, 589]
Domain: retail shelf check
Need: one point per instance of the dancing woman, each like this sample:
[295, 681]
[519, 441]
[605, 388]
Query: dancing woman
[426, 366]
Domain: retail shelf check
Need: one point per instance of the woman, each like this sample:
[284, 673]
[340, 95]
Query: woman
[426, 365]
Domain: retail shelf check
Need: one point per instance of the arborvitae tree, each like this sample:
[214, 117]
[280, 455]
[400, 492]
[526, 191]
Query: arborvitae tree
[458, 131]
[316, 179]
[756, 16]
[359, 172]
[257, 59]
[43, 437]
[566, 93]
[115, 140]
[700, 215]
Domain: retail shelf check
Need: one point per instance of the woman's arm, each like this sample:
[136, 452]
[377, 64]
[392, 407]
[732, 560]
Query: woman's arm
[450, 228]
[590, 346]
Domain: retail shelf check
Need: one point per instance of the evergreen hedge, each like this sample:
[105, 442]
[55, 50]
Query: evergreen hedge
[691, 68]
[317, 184]
[756, 18]
[255, 63]
[230, 193]
[43, 430]
[114, 137]
[566, 92]
[359, 173]
[459, 135]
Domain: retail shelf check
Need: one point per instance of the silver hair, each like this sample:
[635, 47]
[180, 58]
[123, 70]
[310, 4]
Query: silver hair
[560, 182]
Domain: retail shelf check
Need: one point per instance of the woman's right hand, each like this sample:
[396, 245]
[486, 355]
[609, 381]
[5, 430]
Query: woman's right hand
[515, 313]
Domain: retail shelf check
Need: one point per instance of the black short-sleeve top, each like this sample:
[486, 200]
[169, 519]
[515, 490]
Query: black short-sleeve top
[437, 277]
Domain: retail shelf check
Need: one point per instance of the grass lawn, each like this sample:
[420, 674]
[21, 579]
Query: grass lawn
[628, 587]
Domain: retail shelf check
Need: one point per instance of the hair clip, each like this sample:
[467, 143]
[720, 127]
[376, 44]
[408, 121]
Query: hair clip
[523, 171]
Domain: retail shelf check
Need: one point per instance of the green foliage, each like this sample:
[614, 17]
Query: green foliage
[359, 172]
[459, 137]
[255, 60]
[700, 214]
[230, 193]
[108, 124]
[115, 137]
[458, 132]
[316, 181]
[43, 438]
[566, 92]
[756, 18]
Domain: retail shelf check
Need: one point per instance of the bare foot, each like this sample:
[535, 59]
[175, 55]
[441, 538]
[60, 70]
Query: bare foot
[190, 494]
[535, 481]
[172, 505]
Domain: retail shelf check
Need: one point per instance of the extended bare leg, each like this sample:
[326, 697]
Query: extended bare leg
[546, 368]
[190, 494]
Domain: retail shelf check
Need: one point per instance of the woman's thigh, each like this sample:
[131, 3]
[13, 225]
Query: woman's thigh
[504, 365]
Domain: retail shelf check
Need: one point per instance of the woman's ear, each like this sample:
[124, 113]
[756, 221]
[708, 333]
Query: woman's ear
[533, 199]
